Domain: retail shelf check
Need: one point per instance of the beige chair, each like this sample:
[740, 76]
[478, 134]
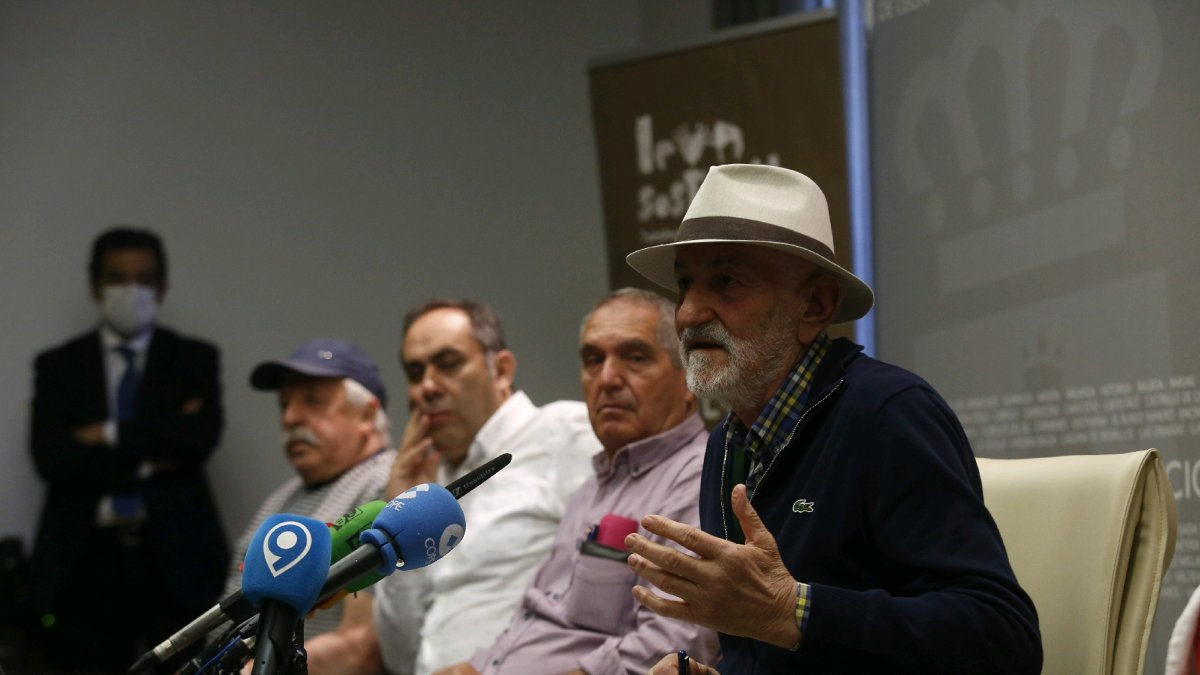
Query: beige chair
[1089, 537]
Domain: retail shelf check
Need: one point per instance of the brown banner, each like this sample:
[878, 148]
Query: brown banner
[662, 120]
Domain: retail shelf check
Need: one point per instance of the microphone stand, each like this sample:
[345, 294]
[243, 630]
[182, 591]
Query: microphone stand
[277, 629]
[228, 655]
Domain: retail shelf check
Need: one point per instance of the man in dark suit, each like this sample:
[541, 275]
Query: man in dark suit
[129, 546]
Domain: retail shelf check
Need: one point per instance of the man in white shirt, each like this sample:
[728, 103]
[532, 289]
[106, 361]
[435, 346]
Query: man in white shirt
[464, 413]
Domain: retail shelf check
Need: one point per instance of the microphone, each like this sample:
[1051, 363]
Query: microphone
[234, 607]
[417, 528]
[237, 609]
[393, 545]
[344, 533]
[285, 567]
[471, 480]
[346, 536]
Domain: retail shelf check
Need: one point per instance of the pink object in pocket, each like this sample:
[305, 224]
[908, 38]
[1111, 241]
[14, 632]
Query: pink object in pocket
[613, 529]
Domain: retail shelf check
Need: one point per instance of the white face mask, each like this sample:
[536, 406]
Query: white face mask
[129, 308]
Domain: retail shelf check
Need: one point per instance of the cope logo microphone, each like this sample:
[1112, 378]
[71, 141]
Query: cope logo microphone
[434, 548]
[285, 545]
[409, 495]
[449, 539]
[417, 528]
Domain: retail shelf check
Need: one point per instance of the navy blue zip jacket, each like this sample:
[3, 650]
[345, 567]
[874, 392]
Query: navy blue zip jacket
[906, 568]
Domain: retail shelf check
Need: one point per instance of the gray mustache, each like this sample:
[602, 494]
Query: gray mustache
[712, 331]
[302, 434]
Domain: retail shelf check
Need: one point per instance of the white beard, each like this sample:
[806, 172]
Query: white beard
[750, 363]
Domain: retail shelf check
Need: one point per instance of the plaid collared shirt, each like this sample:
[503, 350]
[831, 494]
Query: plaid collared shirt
[770, 432]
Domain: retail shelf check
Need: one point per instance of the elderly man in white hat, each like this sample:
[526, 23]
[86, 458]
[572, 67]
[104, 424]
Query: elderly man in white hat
[843, 524]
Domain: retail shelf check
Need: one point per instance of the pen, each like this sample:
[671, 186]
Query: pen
[683, 662]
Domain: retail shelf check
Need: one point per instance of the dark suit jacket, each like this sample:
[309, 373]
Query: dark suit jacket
[182, 529]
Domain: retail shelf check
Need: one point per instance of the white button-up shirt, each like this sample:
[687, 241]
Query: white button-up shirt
[511, 519]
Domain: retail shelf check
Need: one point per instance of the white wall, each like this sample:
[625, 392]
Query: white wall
[315, 168]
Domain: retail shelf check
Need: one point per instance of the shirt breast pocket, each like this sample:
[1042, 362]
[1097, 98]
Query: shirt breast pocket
[599, 598]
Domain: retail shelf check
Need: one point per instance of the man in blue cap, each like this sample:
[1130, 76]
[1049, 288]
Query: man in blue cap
[335, 434]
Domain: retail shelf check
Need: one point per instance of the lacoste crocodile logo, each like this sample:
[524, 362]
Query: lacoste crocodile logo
[802, 506]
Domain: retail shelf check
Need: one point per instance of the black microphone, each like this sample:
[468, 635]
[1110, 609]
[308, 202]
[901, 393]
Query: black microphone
[237, 609]
[471, 480]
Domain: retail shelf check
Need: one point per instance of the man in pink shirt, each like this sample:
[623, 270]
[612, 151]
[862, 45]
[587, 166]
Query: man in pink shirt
[578, 615]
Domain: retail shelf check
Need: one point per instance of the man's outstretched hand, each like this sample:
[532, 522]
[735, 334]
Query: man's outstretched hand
[736, 589]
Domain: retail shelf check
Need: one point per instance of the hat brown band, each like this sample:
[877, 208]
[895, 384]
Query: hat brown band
[725, 227]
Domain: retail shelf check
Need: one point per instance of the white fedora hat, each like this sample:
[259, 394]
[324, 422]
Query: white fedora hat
[763, 206]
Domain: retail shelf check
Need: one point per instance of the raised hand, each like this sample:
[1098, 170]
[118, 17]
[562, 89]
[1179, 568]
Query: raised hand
[737, 589]
[416, 460]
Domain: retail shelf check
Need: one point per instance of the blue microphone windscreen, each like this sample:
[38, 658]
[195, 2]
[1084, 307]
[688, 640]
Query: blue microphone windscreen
[287, 560]
[420, 526]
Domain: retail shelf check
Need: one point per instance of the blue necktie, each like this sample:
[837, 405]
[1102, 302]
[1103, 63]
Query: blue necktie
[127, 387]
[127, 505]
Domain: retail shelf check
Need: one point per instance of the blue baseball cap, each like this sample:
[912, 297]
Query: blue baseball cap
[323, 357]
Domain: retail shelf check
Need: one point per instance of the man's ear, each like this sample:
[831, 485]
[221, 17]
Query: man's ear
[366, 416]
[506, 369]
[824, 295]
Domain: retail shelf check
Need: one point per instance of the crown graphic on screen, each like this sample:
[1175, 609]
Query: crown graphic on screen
[1017, 138]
